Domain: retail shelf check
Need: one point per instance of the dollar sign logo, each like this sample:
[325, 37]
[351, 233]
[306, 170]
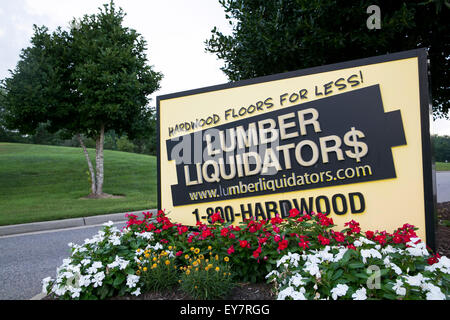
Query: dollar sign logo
[360, 149]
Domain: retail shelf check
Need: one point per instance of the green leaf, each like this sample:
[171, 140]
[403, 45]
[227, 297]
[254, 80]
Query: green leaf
[355, 265]
[337, 274]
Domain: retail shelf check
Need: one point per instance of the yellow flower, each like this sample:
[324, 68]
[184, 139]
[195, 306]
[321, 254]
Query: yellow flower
[138, 272]
[226, 259]
[217, 269]
[145, 269]
[147, 255]
[186, 256]
[196, 251]
[195, 263]
[195, 287]
[154, 259]
[192, 249]
[170, 247]
[188, 271]
[138, 250]
[140, 258]
[154, 266]
[209, 248]
[217, 257]
[167, 262]
[201, 257]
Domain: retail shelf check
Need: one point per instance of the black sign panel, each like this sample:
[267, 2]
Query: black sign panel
[336, 140]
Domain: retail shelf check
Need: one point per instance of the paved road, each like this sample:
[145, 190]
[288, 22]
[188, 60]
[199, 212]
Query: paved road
[27, 259]
[443, 186]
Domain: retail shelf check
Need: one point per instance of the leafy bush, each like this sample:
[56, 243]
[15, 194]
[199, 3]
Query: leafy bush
[206, 277]
[302, 255]
[102, 267]
[157, 269]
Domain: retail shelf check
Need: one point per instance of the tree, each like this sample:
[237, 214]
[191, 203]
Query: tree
[277, 36]
[84, 81]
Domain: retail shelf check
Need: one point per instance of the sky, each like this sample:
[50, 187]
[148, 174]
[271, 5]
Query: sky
[175, 31]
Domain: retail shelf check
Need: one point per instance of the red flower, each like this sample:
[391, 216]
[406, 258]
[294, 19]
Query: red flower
[182, 229]
[293, 213]
[282, 245]
[338, 236]
[434, 259]
[179, 253]
[224, 232]
[276, 238]
[276, 220]
[230, 250]
[216, 217]
[303, 244]
[381, 239]
[323, 241]
[262, 240]
[244, 243]
[351, 246]
[256, 253]
[369, 234]
[353, 226]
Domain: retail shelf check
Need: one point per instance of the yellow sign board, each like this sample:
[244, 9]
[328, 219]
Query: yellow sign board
[350, 140]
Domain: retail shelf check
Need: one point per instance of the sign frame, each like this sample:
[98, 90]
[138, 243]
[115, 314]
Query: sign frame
[428, 159]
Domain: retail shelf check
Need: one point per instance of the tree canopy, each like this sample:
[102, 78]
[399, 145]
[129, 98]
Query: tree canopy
[84, 81]
[278, 36]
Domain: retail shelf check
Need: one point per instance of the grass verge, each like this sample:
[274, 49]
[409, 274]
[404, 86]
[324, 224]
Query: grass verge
[40, 183]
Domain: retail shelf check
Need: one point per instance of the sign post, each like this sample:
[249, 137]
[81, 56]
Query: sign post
[350, 140]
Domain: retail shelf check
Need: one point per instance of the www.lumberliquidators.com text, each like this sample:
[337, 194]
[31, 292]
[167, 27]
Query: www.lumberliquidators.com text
[263, 184]
[226, 309]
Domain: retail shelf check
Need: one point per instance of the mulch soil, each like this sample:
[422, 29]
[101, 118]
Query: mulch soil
[264, 291]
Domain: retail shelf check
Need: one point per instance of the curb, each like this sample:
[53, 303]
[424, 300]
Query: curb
[67, 223]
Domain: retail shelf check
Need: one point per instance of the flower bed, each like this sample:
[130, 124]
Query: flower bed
[301, 255]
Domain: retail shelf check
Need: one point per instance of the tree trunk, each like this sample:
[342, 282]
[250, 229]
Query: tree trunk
[99, 161]
[91, 168]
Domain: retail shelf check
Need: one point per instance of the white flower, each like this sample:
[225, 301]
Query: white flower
[145, 235]
[360, 294]
[290, 292]
[434, 293]
[132, 280]
[45, 283]
[75, 292]
[119, 262]
[339, 291]
[312, 268]
[443, 265]
[85, 262]
[108, 224]
[114, 240]
[297, 280]
[97, 280]
[84, 281]
[399, 290]
[137, 292]
[415, 280]
[275, 272]
[340, 254]
[370, 253]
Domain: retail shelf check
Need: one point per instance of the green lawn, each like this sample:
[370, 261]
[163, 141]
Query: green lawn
[39, 183]
[442, 166]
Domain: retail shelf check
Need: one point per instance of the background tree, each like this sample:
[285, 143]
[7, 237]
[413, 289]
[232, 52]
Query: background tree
[441, 148]
[277, 36]
[83, 82]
